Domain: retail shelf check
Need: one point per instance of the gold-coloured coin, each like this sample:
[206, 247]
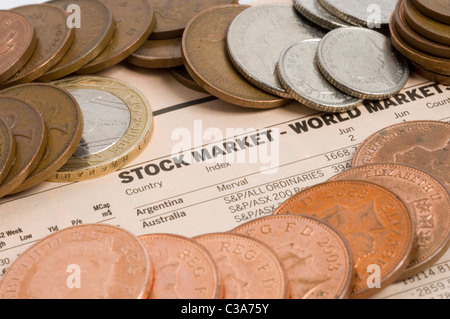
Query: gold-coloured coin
[158, 54]
[7, 149]
[134, 23]
[64, 120]
[118, 123]
[30, 133]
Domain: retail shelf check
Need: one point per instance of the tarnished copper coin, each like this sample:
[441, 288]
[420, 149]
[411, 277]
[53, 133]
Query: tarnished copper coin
[421, 144]
[7, 149]
[134, 23]
[95, 33]
[90, 261]
[54, 38]
[30, 133]
[432, 76]
[316, 258]
[205, 36]
[424, 196]
[376, 223]
[158, 54]
[182, 75]
[64, 121]
[436, 9]
[17, 43]
[172, 16]
[249, 269]
[184, 269]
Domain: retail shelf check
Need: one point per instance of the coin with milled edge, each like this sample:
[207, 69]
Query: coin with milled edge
[316, 258]
[97, 29]
[28, 128]
[17, 43]
[184, 269]
[436, 9]
[424, 196]
[118, 124]
[258, 35]
[205, 36]
[7, 150]
[300, 76]
[111, 263]
[135, 21]
[158, 54]
[64, 120]
[362, 63]
[249, 269]
[182, 75]
[315, 12]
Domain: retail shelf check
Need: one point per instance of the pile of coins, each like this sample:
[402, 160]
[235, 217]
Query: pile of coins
[420, 30]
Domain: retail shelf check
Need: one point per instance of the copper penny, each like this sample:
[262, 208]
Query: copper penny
[158, 54]
[249, 269]
[436, 9]
[90, 261]
[424, 196]
[172, 16]
[17, 43]
[134, 23]
[430, 75]
[184, 269]
[182, 75]
[316, 258]
[27, 126]
[376, 223]
[420, 144]
[7, 149]
[95, 33]
[64, 121]
[204, 37]
[54, 39]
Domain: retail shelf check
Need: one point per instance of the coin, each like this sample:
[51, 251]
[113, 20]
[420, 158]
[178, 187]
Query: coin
[205, 36]
[7, 150]
[258, 35]
[89, 261]
[376, 223]
[364, 13]
[249, 269]
[315, 12]
[30, 133]
[158, 54]
[97, 29]
[134, 23]
[118, 123]
[362, 63]
[316, 258]
[424, 196]
[436, 9]
[184, 269]
[54, 39]
[432, 76]
[182, 75]
[429, 28]
[302, 79]
[17, 43]
[64, 121]
[172, 16]
[420, 144]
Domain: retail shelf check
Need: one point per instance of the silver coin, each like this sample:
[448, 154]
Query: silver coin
[315, 12]
[362, 62]
[364, 13]
[258, 36]
[301, 77]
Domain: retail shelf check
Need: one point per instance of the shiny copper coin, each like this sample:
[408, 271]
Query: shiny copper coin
[376, 223]
[54, 38]
[134, 23]
[184, 269]
[30, 133]
[64, 121]
[182, 75]
[249, 269]
[95, 33]
[436, 9]
[17, 43]
[7, 149]
[158, 54]
[429, 28]
[82, 262]
[316, 258]
[172, 16]
[424, 196]
[432, 76]
[204, 37]
[421, 144]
